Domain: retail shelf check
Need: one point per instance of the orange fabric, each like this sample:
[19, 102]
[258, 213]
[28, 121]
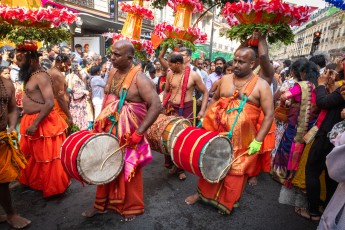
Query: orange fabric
[223, 195]
[59, 110]
[126, 198]
[130, 76]
[42, 151]
[264, 160]
[12, 161]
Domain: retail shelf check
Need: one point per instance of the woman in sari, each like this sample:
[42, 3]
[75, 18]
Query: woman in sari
[301, 117]
[78, 97]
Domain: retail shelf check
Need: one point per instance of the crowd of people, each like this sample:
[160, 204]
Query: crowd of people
[284, 118]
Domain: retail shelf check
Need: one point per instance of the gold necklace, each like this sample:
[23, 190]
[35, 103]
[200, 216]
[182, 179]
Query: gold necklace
[241, 86]
[115, 88]
[179, 85]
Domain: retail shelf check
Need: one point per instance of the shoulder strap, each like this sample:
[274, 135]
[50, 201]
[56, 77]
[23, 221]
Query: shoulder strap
[250, 87]
[184, 87]
[129, 78]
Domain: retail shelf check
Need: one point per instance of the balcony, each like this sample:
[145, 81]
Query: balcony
[334, 25]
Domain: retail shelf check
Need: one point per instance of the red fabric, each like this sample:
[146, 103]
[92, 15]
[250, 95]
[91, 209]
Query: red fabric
[183, 149]
[184, 86]
[42, 151]
[70, 150]
[126, 198]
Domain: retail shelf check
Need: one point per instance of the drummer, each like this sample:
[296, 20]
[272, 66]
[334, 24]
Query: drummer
[129, 86]
[178, 95]
[236, 107]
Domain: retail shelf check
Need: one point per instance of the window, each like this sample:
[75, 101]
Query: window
[86, 3]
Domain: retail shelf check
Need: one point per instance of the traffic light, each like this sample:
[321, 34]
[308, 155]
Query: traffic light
[316, 39]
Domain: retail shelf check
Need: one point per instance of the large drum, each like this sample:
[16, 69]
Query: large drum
[163, 132]
[89, 157]
[203, 153]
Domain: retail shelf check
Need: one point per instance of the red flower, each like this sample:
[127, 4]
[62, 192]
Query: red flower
[136, 9]
[196, 5]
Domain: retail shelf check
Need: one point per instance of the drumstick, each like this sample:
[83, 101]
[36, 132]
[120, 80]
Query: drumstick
[112, 154]
[246, 152]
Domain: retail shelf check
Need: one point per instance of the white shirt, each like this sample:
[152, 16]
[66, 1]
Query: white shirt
[97, 86]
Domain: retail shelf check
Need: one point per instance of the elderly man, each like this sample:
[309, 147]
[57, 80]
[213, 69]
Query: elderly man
[235, 108]
[42, 129]
[133, 102]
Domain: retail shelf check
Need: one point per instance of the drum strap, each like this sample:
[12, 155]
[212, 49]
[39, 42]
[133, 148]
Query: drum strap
[239, 110]
[248, 90]
[125, 86]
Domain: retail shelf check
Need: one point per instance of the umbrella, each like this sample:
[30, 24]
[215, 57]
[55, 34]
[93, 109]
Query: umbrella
[6, 48]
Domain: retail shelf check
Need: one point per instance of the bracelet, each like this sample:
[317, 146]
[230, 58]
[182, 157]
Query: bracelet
[140, 135]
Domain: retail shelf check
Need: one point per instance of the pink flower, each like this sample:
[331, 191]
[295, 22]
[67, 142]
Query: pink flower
[196, 5]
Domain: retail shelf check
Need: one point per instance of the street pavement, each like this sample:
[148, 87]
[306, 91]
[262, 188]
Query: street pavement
[164, 207]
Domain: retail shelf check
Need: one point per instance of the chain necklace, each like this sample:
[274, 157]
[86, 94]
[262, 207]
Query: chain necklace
[241, 86]
[179, 85]
[116, 87]
[26, 90]
[4, 98]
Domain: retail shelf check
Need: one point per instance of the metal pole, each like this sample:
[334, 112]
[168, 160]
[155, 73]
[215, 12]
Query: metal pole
[211, 39]
[116, 13]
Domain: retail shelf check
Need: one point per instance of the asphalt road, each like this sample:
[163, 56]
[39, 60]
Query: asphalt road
[165, 207]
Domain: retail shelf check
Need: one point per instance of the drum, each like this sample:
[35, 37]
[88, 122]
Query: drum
[155, 132]
[203, 153]
[163, 131]
[171, 131]
[89, 157]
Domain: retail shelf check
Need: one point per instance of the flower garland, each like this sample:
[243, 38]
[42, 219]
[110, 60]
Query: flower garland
[272, 18]
[274, 11]
[136, 9]
[143, 48]
[194, 35]
[195, 4]
[42, 17]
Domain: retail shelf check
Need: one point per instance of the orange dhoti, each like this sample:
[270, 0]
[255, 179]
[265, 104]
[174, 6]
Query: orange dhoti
[12, 161]
[42, 151]
[58, 110]
[223, 195]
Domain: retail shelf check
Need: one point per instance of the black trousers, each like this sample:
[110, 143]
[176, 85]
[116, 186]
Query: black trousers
[316, 163]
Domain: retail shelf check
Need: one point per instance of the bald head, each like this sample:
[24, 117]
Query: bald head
[126, 46]
[249, 52]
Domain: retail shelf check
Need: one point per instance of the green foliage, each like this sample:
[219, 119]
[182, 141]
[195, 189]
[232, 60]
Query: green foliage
[139, 55]
[275, 32]
[220, 3]
[17, 34]
[173, 42]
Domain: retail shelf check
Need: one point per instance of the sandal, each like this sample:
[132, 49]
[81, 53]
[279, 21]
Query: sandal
[303, 212]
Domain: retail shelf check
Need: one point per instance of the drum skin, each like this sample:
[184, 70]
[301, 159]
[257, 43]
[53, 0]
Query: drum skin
[203, 153]
[171, 132]
[83, 153]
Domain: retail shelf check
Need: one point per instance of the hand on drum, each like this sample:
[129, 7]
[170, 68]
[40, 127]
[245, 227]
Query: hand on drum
[134, 139]
[254, 147]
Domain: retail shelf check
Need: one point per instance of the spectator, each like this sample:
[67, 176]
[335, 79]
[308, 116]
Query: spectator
[217, 74]
[286, 69]
[212, 68]
[320, 61]
[97, 86]
[65, 50]
[228, 67]
[78, 53]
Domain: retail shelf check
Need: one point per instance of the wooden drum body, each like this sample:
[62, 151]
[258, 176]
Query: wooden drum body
[83, 156]
[163, 131]
[203, 153]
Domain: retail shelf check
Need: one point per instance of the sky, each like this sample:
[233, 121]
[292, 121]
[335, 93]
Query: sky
[318, 3]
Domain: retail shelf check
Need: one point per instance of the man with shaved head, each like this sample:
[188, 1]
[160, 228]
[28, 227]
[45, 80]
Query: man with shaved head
[130, 106]
[235, 109]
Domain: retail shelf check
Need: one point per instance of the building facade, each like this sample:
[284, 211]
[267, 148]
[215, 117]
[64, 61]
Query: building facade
[330, 22]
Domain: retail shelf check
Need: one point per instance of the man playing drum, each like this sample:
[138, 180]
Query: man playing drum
[42, 129]
[11, 159]
[131, 104]
[178, 96]
[235, 108]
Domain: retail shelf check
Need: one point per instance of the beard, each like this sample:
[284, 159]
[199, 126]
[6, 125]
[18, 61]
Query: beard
[25, 72]
[219, 70]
